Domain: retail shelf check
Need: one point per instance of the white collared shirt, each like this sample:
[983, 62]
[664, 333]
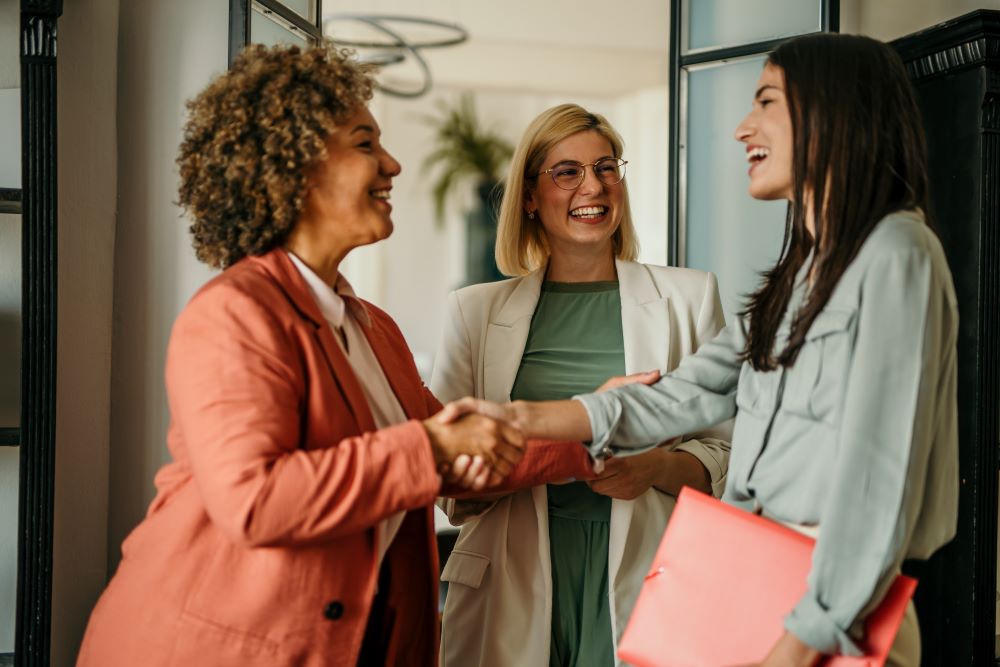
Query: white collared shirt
[346, 314]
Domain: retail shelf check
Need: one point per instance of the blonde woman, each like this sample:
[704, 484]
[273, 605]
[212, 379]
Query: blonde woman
[549, 575]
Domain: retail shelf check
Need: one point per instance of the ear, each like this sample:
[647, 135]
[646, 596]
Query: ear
[529, 201]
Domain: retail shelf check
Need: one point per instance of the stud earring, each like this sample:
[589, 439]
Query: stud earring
[531, 215]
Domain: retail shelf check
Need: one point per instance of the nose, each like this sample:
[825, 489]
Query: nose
[745, 129]
[591, 183]
[390, 166]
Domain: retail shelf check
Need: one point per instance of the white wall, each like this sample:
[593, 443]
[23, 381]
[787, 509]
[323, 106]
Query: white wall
[168, 51]
[87, 79]
[889, 19]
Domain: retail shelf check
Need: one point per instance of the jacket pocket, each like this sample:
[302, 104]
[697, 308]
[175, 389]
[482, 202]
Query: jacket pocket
[466, 568]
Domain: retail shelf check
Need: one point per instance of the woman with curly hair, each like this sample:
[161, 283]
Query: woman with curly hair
[294, 524]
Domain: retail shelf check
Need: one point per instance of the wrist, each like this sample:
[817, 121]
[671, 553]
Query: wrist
[431, 428]
[520, 416]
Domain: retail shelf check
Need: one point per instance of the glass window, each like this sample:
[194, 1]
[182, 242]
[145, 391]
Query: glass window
[10, 138]
[721, 23]
[304, 8]
[727, 231]
[266, 27]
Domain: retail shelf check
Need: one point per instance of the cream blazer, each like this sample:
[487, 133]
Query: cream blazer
[499, 605]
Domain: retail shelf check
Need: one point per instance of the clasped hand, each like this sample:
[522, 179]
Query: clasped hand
[474, 451]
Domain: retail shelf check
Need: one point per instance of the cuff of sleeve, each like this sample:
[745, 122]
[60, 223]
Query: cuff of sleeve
[715, 470]
[604, 412]
[413, 444]
[812, 624]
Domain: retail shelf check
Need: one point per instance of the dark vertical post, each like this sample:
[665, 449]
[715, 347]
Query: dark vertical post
[38, 347]
[955, 68]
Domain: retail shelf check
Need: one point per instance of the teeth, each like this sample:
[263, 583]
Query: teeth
[380, 194]
[757, 153]
[588, 210]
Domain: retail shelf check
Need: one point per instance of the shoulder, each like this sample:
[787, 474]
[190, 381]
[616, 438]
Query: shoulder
[670, 281]
[903, 236]
[902, 231]
[487, 293]
[243, 289]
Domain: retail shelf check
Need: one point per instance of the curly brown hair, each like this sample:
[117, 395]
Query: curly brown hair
[250, 139]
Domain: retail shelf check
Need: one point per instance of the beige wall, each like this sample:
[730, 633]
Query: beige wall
[168, 51]
[87, 80]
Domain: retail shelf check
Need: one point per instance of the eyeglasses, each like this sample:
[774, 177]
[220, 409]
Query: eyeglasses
[569, 175]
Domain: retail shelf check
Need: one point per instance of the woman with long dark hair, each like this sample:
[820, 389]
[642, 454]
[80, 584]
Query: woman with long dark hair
[841, 372]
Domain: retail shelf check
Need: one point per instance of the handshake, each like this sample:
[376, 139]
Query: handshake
[476, 444]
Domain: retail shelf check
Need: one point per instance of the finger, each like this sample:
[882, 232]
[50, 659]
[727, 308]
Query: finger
[456, 409]
[475, 468]
[502, 466]
[460, 464]
[509, 454]
[512, 435]
[481, 479]
[495, 479]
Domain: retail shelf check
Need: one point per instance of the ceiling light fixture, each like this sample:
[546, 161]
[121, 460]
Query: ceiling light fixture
[395, 48]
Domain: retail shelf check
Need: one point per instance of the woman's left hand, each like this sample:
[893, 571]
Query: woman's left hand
[630, 477]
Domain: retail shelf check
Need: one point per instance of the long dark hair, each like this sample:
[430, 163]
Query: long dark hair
[859, 154]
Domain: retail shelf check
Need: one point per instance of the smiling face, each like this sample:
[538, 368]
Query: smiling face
[767, 133]
[348, 201]
[587, 216]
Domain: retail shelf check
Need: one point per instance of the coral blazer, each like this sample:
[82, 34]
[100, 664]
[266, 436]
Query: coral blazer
[260, 546]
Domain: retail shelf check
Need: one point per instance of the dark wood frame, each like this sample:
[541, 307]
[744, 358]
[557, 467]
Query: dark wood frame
[239, 22]
[38, 339]
[829, 22]
[955, 68]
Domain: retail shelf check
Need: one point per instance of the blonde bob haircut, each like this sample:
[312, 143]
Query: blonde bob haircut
[522, 246]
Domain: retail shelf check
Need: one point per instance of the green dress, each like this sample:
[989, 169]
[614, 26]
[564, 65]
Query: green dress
[574, 344]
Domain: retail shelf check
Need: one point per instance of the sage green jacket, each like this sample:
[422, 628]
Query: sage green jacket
[859, 437]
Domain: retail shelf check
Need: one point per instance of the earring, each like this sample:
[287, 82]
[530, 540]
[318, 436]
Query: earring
[531, 215]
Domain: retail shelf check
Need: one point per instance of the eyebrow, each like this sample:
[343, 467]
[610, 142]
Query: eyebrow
[363, 128]
[577, 163]
[760, 91]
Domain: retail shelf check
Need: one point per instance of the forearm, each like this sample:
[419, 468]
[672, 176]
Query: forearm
[552, 420]
[680, 469]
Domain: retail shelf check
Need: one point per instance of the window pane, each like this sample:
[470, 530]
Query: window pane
[269, 29]
[717, 23]
[727, 231]
[10, 96]
[9, 462]
[304, 8]
[10, 321]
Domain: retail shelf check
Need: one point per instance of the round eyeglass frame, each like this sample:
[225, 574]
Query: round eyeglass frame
[583, 172]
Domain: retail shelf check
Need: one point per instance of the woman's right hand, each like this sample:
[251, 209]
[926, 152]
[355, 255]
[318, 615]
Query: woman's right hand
[475, 450]
[646, 377]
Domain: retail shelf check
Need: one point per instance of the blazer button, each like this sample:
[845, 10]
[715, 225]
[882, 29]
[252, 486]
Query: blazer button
[334, 610]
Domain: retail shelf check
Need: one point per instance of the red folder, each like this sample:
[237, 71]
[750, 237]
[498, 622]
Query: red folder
[721, 584]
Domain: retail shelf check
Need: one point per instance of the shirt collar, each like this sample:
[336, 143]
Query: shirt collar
[332, 301]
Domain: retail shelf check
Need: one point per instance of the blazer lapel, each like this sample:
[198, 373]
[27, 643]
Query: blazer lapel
[278, 264]
[506, 335]
[646, 333]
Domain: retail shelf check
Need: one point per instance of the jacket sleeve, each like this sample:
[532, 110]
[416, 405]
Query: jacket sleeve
[236, 388]
[698, 394]
[710, 445]
[896, 395]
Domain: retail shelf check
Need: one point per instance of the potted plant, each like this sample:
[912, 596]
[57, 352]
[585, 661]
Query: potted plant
[467, 154]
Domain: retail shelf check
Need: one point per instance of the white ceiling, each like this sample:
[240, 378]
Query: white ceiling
[542, 45]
